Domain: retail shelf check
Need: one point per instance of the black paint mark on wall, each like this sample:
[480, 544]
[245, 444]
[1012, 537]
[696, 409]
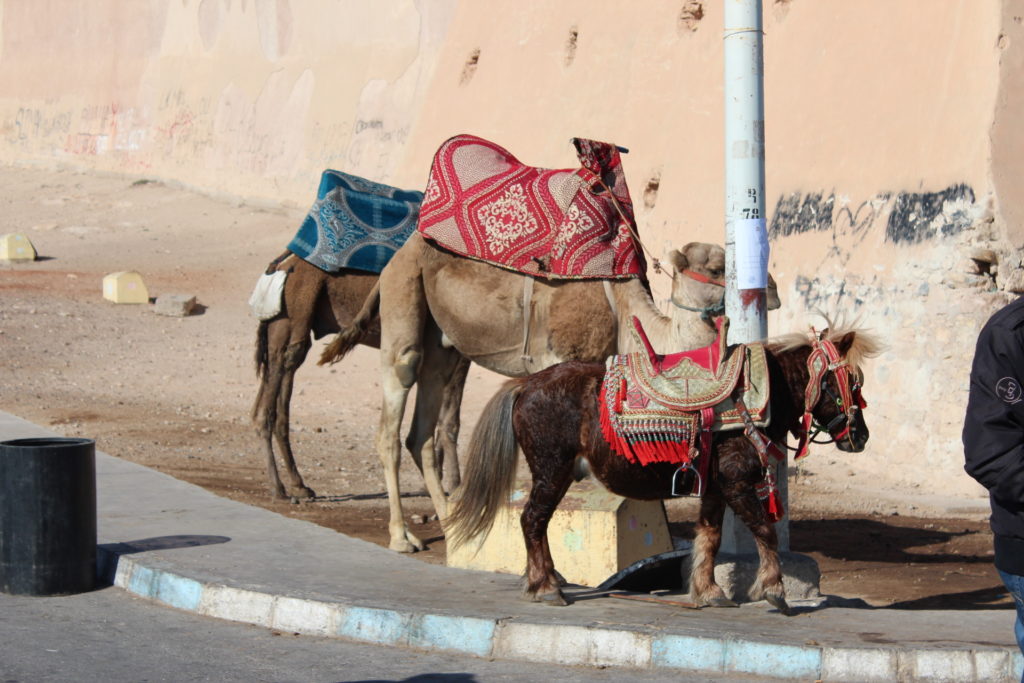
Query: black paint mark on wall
[798, 213]
[913, 217]
[917, 217]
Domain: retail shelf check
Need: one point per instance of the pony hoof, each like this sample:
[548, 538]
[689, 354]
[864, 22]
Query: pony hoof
[555, 599]
[779, 603]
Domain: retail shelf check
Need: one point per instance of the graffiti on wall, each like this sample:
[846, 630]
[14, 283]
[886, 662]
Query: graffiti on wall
[921, 216]
[913, 217]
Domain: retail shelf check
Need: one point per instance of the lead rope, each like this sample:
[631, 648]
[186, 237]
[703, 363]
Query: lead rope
[655, 262]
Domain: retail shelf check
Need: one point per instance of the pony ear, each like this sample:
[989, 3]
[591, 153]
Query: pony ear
[678, 260]
[845, 343]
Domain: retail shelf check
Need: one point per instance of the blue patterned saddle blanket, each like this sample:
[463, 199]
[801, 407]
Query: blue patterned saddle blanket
[355, 223]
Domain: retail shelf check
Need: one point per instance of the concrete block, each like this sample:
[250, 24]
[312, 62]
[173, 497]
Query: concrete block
[125, 287]
[307, 617]
[736, 575]
[16, 248]
[593, 534]
[858, 664]
[174, 305]
[235, 604]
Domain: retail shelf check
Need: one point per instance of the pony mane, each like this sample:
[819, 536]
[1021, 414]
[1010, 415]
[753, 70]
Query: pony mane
[865, 343]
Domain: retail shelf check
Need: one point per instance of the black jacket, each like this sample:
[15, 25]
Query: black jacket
[993, 433]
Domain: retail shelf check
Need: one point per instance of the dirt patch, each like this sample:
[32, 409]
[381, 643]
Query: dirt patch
[174, 394]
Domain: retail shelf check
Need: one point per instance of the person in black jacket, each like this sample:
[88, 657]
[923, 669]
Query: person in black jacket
[993, 439]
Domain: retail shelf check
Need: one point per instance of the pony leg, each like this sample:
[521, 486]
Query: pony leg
[543, 584]
[293, 358]
[768, 585]
[707, 540]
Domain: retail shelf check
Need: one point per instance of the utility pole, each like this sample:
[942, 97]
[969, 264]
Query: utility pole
[746, 236]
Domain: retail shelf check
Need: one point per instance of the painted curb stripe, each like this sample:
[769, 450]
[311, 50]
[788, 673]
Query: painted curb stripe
[552, 644]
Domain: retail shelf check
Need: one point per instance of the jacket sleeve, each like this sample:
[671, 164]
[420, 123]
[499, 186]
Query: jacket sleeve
[993, 434]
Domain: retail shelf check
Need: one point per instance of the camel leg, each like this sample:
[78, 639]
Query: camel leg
[397, 378]
[543, 584]
[448, 425]
[769, 584]
[265, 409]
[706, 542]
[293, 358]
[435, 374]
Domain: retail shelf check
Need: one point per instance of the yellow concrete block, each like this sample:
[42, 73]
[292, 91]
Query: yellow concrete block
[125, 287]
[593, 534]
[15, 247]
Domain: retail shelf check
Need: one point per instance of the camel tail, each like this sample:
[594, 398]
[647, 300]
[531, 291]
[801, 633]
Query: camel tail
[261, 359]
[348, 338]
[490, 469]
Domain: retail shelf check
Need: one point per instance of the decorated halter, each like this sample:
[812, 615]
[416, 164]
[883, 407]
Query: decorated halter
[825, 358]
[706, 312]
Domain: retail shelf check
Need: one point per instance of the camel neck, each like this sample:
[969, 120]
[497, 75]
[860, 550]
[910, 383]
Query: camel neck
[680, 331]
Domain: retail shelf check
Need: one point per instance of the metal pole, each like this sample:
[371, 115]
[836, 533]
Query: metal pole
[746, 237]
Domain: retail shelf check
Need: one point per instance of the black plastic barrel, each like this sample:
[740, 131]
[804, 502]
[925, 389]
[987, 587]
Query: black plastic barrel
[47, 516]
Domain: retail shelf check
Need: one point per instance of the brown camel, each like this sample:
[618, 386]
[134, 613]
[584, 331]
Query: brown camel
[321, 303]
[511, 324]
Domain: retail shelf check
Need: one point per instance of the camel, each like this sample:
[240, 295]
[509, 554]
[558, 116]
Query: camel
[511, 324]
[321, 303]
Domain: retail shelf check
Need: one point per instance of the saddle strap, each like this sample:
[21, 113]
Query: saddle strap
[527, 316]
[769, 454]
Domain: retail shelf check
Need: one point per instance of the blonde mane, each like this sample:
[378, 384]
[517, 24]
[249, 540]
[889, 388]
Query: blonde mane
[865, 343]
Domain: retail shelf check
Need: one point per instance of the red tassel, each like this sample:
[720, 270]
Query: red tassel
[773, 506]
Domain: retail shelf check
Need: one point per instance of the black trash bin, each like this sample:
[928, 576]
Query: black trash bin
[47, 516]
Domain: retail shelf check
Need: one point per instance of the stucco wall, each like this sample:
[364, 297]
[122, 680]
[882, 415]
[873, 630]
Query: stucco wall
[892, 137]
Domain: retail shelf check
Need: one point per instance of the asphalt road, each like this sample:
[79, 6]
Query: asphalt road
[111, 636]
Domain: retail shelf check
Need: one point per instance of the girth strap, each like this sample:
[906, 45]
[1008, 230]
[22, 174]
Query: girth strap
[527, 317]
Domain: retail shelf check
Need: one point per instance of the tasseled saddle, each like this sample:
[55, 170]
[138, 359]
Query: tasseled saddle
[664, 408]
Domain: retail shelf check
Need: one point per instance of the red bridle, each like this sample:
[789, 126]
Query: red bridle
[825, 358]
[700, 277]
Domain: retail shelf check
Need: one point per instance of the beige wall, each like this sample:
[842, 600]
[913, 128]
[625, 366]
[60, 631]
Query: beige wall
[892, 128]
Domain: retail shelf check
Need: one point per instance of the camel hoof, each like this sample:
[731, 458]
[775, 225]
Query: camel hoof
[720, 601]
[403, 546]
[278, 494]
[779, 603]
[306, 492]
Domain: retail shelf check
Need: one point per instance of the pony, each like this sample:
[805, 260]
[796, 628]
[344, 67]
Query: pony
[555, 417]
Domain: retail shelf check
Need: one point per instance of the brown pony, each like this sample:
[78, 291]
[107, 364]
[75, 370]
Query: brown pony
[553, 416]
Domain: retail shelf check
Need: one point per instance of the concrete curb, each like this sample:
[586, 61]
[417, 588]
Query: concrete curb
[556, 644]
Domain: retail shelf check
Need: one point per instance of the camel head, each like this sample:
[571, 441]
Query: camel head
[698, 277]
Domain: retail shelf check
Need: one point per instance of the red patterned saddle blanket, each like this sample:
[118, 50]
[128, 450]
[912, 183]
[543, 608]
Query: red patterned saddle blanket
[483, 203]
[652, 411]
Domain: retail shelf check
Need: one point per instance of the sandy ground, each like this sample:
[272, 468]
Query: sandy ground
[175, 393]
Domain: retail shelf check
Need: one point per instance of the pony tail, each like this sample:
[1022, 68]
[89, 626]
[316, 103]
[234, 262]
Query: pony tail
[347, 339]
[490, 469]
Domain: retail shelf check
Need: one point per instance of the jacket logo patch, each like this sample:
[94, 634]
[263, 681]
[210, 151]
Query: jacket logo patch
[1009, 390]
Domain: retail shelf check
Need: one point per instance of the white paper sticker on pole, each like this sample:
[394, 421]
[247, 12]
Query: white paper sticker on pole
[752, 250]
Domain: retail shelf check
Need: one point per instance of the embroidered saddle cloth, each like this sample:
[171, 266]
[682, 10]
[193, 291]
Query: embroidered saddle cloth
[483, 203]
[656, 414]
[355, 223]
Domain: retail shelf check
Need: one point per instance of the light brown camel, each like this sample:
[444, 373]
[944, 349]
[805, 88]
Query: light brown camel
[513, 325]
[318, 303]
